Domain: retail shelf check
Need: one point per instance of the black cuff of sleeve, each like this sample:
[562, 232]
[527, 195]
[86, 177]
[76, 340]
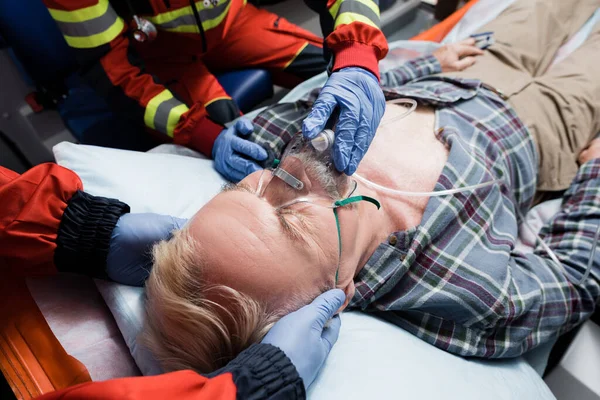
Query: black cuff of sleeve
[84, 234]
[263, 371]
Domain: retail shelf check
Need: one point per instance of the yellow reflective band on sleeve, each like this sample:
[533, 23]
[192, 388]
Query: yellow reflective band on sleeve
[163, 112]
[174, 117]
[350, 17]
[152, 106]
[80, 15]
[333, 10]
[99, 39]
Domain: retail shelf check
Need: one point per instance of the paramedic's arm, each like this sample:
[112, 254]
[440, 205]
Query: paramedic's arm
[281, 367]
[544, 300]
[355, 44]
[260, 372]
[100, 41]
[448, 58]
[48, 224]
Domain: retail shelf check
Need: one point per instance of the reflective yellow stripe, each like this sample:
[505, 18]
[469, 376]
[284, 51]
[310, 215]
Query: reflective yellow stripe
[174, 117]
[170, 16]
[349, 17]
[333, 10]
[153, 106]
[165, 125]
[86, 42]
[295, 55]
[80, 15]
[184, 29]
[167, 21]
[217, 99]
[212, 23]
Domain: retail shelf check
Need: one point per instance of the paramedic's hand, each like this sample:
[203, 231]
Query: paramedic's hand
[235, 156]
[457, 56]
[130, 252]
[303, 336]
[361, 102]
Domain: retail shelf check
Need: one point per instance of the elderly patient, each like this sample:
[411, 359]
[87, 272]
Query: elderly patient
[444, 268]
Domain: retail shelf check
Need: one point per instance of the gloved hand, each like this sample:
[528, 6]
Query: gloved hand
[303, 336]
[129, 257]
[362, 104]
[234, 155]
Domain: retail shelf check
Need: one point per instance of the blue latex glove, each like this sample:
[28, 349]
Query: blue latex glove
[234, 155]
[361, 101]
[129, 257]
[303, 336]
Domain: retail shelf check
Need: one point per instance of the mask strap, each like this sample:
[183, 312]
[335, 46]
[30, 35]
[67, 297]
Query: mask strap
[342, 203]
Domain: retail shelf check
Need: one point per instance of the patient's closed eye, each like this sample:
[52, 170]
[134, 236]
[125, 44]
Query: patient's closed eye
[290, 229]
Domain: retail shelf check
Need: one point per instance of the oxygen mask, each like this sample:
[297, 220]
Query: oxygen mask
[306, 173]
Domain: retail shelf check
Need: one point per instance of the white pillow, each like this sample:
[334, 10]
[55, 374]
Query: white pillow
[156, 182]
[372, 358]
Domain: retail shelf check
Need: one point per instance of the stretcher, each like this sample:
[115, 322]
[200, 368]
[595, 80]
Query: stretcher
[56, 332]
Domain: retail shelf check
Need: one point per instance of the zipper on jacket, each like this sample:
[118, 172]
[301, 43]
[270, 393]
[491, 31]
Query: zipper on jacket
[199, 23]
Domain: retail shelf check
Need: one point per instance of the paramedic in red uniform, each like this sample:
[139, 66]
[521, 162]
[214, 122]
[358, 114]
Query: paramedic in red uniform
[152, 60]
[49, 225]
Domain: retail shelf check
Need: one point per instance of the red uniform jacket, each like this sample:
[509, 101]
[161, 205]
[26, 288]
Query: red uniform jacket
[98, 34]
[48, 224]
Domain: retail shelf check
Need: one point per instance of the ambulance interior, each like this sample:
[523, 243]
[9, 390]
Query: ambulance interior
[90, 326]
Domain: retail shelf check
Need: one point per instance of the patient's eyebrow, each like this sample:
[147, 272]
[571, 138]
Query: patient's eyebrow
[288, 229]
[237, 187]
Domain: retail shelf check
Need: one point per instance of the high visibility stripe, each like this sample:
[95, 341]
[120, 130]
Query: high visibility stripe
[215, 21]
[365, 7]
[349, 17]
[163, 112]
[333, 10]
[295, 55]
[98, 39]
[89, 27]
[183, 20]
[82, 14]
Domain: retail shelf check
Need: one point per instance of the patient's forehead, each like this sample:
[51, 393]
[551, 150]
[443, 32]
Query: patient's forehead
[241, 245]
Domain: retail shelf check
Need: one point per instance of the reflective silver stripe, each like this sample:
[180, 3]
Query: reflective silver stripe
[91, 26]
[357, 7]
[213, 12]
[183, 20]
[189, 19]
[161, 118]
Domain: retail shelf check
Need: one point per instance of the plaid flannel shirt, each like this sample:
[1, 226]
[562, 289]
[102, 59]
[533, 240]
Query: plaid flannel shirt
[456, 280]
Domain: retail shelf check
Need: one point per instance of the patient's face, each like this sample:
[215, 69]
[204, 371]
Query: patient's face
[272, 256]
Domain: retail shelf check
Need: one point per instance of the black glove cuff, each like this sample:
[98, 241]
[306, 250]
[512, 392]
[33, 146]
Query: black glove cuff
[84, 234]
[264, 371]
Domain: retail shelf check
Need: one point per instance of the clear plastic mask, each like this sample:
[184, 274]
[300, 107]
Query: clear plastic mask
[303, 173]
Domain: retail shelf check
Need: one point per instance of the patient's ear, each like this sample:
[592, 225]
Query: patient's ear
[349, 290]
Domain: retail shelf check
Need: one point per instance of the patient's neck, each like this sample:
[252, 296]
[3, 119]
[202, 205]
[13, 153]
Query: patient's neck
[396, 214]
